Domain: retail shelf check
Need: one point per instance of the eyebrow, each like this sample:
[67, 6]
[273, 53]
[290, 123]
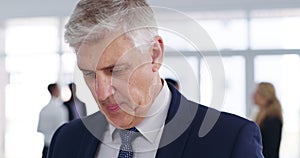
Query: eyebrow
[107, 67]
[85, 70]
[113, 66]
[104, 68]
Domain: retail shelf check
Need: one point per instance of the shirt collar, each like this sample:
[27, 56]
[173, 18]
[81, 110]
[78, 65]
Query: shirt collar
[56, 101]
[154, 123]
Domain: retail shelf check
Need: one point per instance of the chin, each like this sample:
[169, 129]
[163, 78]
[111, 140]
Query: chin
[122, 121]
[121, 125]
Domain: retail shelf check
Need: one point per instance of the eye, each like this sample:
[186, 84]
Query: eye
[89, 74]
[117, 70]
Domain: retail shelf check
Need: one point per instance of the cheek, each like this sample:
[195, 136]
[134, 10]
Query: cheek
[254, 98]
[141, 78]
[260, 100]
[91, 85]
[140, 83]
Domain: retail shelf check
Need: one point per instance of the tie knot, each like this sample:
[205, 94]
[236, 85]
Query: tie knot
[128, 135]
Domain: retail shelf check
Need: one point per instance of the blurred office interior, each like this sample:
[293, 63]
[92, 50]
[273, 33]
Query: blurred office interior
[256, 41]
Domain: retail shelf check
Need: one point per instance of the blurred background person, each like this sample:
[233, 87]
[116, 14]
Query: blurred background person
[76, 108]
[173, 82]
[269, 118]
[51, 116]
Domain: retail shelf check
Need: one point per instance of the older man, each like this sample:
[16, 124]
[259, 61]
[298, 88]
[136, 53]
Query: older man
[120, 53]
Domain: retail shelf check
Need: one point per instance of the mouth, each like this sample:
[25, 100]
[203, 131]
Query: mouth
[113, 107]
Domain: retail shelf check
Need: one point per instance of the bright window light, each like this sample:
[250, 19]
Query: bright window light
[34, 35]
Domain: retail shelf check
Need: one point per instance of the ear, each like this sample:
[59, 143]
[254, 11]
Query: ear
[157, 53]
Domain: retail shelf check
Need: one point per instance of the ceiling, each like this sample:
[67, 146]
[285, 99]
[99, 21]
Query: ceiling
[34, 8]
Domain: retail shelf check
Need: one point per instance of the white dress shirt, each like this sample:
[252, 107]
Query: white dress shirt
[151, 128]
[53, 115]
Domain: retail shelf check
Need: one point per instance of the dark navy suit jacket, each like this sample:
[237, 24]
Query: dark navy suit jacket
[191, 131]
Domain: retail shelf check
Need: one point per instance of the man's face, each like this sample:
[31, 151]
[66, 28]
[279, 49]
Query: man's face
[122, 79]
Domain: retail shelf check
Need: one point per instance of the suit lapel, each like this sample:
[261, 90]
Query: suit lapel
[174, 137]
[176, 130]
[89, 147]
[96, 125]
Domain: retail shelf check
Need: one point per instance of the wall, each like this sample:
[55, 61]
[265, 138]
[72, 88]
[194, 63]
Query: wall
[3, 81]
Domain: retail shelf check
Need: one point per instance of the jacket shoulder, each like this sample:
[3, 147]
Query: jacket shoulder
[229, 134]
[72, 139]
[212, 115]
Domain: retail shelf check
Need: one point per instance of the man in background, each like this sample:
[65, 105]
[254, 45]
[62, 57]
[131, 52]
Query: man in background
[173, 82]
[53, 115]
[76, 108]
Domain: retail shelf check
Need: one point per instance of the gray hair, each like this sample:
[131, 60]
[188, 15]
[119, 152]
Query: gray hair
[93, 20]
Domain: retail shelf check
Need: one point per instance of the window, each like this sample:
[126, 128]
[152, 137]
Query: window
[275, 29]
[283, 72]
[227, 34]
[275, 33]
[35, 35]
[32, 63]
[234, 80]
[178, 68]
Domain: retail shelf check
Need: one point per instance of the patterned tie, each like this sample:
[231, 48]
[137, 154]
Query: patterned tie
[127, 136]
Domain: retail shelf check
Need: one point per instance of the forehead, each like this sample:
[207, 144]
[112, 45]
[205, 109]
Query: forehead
[103, 53]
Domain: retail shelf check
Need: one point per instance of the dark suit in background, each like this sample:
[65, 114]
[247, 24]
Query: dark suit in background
[76, 107]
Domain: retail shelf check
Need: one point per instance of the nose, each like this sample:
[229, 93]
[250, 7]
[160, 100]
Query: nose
[104, 88]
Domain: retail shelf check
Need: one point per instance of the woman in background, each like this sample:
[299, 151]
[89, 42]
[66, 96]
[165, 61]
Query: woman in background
[269, 118]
